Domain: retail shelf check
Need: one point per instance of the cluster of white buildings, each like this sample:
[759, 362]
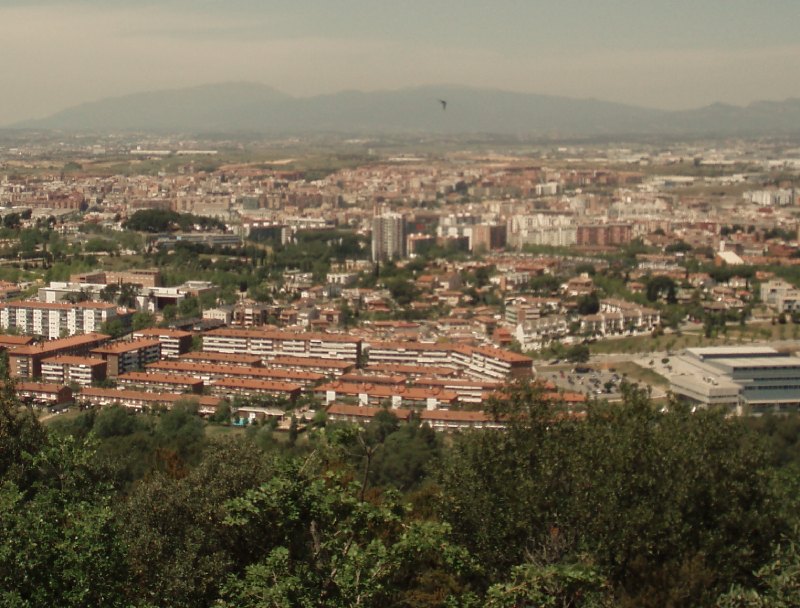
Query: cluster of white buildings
[554, 229]
[778, 197]
[57, 320]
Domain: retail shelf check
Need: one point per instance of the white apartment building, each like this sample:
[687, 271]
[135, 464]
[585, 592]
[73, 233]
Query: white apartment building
[271, 344]
[620, 317]
[779, 197]
[140, 400]
[553, 229]
[56, 320]
[345, 279]
[480, 362]
[780, 295]
[68, 369]
[388, 237]
[174, 342]
[221, 313]
[534, 334]
[411, 353]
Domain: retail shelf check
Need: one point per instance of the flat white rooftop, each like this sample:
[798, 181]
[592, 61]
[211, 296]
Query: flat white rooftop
[759, 362]
[731, 351]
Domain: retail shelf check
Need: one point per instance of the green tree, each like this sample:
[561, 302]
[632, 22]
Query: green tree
[778, 583]
[127, 295]
[189, 307]
[143, 319]
[115, 421]
[661, 286]
[169, 312]
[109, 293]
[558, 585]
[113, 327]
[622, 486]
[59, 540]
[21, 436]
[578, 353]
[178, 546]
[324, 545]
[589, 304]
[182, 431]
[152, 220]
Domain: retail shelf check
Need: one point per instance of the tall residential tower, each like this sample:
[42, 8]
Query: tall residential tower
[388, 237]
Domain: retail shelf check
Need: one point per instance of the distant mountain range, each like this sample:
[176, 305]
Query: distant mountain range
[237, 107]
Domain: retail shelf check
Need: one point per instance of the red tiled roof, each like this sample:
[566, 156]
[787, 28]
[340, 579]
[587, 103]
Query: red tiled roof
[342, 409]
[383, 390]
[39, 387]
[146, 378]
[162, 331]
[454, 416]
[264, 385]
[71, 360]
[60, 344]
[121, 394]
[281, 335]
[222, 357]
[126, 346]
[234, 370]
[8, 340]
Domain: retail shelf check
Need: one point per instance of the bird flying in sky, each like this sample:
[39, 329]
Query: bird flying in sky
[444, 104]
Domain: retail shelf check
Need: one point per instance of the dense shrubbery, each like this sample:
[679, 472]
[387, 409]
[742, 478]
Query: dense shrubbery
[629, 507]
[163, 220]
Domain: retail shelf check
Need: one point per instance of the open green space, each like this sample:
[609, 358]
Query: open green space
[47, 418]
[736, 335]
[221, 430]
[637, 373]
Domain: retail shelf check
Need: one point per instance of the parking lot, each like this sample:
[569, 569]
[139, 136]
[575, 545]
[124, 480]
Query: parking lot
[585, 379]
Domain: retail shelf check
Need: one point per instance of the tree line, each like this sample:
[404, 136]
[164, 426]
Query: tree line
[630, 505]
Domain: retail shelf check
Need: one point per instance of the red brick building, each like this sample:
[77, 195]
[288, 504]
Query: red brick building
[604, 235]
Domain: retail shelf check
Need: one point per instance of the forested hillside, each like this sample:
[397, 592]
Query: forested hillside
[630, 506]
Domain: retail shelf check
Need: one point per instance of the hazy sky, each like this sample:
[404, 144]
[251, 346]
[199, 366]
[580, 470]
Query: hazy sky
[659, 53]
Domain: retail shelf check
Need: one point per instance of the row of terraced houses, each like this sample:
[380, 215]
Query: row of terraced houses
[154, 368]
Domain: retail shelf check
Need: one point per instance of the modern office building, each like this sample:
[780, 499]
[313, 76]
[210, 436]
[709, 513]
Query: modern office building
[745, 379]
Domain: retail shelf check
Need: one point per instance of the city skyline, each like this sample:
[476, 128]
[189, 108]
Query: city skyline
[57, 53]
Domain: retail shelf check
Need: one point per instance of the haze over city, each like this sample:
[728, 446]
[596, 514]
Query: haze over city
[445, 304]
[675, 55]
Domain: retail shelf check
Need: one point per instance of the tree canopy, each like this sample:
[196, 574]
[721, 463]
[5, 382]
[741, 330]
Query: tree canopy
[629, 505]
[164, 220]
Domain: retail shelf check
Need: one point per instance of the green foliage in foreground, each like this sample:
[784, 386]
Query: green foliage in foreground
[630, 506]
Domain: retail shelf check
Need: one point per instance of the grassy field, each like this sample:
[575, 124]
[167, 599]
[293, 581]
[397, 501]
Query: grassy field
[218, 430]
[736, 335]
[46, 418]
[637, 373]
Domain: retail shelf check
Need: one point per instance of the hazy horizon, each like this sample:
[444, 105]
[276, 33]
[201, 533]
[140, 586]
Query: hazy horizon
[59, 53]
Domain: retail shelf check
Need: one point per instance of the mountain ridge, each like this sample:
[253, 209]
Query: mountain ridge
[248, 106]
